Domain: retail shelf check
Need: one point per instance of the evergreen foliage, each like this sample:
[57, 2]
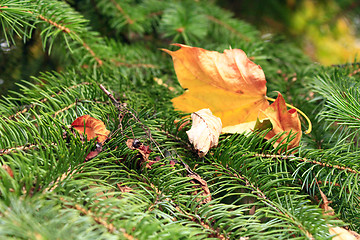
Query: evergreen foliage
[49, 191]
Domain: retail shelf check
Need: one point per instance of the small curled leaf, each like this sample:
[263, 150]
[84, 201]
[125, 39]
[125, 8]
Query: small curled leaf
[205, 131]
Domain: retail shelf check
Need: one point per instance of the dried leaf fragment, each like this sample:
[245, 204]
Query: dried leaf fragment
[341, 233]
[205, 131]
[91, 127]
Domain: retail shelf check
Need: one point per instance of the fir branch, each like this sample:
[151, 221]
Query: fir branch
[59, 26]
[109, 226]
[121, 10]
[302, 159]
[97, 59]
[228, 27]
[267, 201]
[123, 109]
[30, 106]
[17, 149]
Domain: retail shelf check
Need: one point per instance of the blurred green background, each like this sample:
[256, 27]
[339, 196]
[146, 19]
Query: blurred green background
[326, 30]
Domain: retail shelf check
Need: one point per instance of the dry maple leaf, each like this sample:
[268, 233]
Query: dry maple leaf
[205, 131]
[232, 86]
[283, 120]
[91, 127]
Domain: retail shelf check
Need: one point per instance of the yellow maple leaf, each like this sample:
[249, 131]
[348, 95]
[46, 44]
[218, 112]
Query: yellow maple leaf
[232, 87]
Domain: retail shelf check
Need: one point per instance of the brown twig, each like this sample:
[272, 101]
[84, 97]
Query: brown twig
[124, 109]
[354, 72]
[215, 233]
[97, 59]
[21, 148]
[131, 65]
[62, 28]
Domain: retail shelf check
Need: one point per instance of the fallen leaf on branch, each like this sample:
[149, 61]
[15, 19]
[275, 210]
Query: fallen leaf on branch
[144, 151]
[341, 233]
[8, 170]
[94, 153]
[234, 89]
[91, 127]
[232, 86]
[282, 120]
[205, 131]
[198, 180]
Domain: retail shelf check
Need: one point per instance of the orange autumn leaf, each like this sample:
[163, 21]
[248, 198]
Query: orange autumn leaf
[283, 120]
[232, 86]
[92, 126]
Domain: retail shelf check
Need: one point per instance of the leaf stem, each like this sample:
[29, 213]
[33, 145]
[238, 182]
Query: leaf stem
[301, 112]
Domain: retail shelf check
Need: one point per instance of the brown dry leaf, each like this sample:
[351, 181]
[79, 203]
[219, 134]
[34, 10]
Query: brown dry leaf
[203, 185]
[145, 151]
[8, 170]
[93, 128]
[341, 233]
[94, 153]
[283, 120]
[197, 179]
[205, 131]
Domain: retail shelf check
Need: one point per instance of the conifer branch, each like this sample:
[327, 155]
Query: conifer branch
[262, 195]
[228, 27]
[30, 106]
[124, 109]
[21, 148]
[62, 28]
[121, 10]
[215, 232]
[109, 226]
[307, 161]
[97, 59]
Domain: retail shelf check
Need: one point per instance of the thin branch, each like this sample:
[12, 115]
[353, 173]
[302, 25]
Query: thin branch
[228, 27]
[62, 28]
[121, 10]
[215, 233]
[122, 108]
[97, 59]
[109, 226]
[133, 65]
[262, 195]
[284, 157]
[21, 148]
[68, 31]
[28, 107]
